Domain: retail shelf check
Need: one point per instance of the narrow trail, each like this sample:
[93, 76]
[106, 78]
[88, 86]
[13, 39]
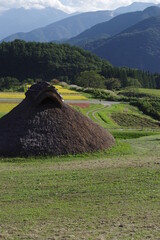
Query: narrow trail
[93, 113]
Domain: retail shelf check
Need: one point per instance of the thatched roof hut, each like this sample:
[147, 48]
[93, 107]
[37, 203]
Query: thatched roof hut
[42, 124]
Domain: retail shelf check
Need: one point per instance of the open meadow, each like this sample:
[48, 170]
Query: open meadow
[113, 195]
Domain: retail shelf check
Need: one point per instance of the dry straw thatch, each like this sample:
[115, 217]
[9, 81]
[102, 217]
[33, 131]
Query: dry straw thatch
[42, 124]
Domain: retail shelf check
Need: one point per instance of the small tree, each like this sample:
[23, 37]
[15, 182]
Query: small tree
[112, 83]
[132, 82]
[90, 79]
[9, 83]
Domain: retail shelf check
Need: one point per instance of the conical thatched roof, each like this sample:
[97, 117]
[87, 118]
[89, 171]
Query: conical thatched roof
[42, 124]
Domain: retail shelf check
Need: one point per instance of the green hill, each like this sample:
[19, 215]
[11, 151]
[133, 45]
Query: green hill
[23, 60]
[45, 60]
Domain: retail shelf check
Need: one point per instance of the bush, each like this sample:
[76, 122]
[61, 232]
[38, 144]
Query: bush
[90, 79]
[102, 94]
[150, 107]
[9, 83]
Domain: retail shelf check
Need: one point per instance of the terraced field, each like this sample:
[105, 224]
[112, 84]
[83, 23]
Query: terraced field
[122, 120]
[133, 121]
[119, 116]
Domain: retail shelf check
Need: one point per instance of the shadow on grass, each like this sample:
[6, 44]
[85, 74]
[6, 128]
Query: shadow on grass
[119, 149]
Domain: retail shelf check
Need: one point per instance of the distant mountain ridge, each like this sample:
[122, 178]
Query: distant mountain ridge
[113, 26]
[20, 19]
[135, 6]
[72, 26]
[65, 28]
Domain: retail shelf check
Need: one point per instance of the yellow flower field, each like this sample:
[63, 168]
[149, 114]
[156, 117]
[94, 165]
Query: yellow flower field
[12, 95]
[67, 94]
[60, 89]
[73, 97]
[63, 90]
[6, 107]
[66, 91]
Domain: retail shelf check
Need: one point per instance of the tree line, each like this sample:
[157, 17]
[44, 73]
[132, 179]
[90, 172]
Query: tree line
[20, 61]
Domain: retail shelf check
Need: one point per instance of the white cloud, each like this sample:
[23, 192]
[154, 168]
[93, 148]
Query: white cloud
[7, 4]
[86, 5]
[69, 5]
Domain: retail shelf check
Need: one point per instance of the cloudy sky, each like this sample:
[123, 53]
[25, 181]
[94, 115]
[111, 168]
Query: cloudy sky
[69, 5]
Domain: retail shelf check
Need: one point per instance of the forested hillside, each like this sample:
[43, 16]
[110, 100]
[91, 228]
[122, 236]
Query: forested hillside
[45, 61]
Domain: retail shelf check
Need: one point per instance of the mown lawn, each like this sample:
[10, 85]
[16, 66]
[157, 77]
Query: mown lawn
[114, 196]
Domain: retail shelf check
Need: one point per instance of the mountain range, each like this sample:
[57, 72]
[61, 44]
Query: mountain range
[114, 26]
[65, 28]
[135, 6]
[21, 19]
[136, 47]
[72, 26]
[130, 39]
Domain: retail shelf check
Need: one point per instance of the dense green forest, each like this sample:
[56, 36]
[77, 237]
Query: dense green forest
[22, 61]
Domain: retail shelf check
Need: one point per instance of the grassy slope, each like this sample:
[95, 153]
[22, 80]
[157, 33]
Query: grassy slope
[146, 91]
[152, 92]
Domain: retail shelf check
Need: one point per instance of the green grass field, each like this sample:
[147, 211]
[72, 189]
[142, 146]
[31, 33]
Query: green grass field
[114, 196]
[140, 92]
[149, 92]
[111, 195]
[153, 92]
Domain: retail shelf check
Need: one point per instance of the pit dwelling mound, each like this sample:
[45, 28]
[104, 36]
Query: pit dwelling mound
[42, 124]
